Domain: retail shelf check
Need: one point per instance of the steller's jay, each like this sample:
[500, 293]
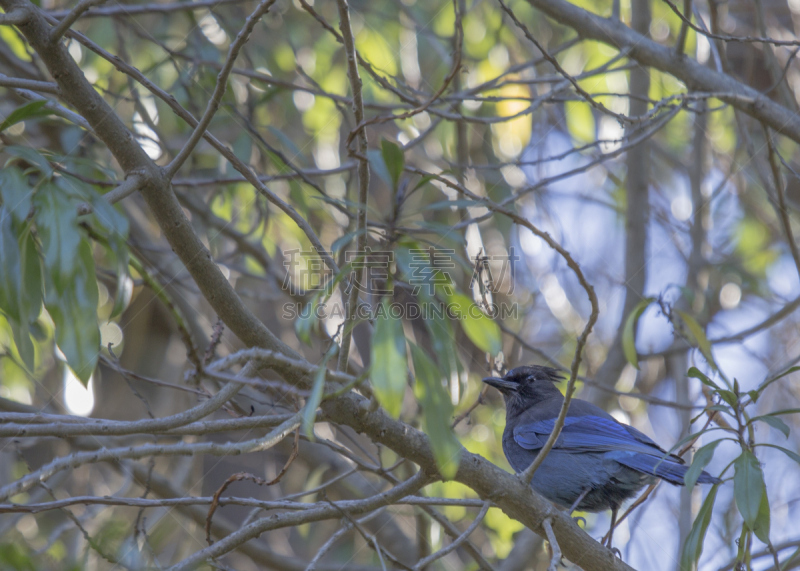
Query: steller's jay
[596, 464]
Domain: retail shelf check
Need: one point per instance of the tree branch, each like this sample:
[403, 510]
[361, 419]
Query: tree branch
[695, 75]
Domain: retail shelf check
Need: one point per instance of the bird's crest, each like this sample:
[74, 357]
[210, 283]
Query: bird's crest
[532, 373]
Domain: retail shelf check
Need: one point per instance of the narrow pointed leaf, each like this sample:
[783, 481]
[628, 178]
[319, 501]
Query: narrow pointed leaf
[748, 487]
[389, 361]
[478, 326]
[699, 336]
[394, 159]
[695, 373]
[700, 461]
[629, 332]
[761, 526]
[437, 411]
[774, 422]
[74, 312]
[15, 192]
[317, 390]
[693, 547]
[27, 111]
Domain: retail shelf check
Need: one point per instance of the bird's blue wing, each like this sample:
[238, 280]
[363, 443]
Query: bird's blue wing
[619, 442]
[585, 434]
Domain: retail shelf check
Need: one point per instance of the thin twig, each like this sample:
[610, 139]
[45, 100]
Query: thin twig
[456, 542]
[221, 86]
[551, 537]
[71, 18]
[363, 181]
[783, 211]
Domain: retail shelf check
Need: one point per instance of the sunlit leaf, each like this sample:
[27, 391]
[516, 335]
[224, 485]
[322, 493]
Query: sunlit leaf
[479, 327]
[443, 339]
[437, 411]
[394, 159]
[27, 111]
[698, 335]
[317, 390]
[389, 371]
[629, 332]
[697, 374]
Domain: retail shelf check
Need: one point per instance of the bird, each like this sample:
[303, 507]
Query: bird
[597, 462]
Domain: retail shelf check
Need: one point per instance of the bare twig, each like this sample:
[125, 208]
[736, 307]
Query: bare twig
[455, 543]
[71, 18]
[219, 89]
[555, 559]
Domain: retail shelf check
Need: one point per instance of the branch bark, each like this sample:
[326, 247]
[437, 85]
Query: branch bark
[695, 75]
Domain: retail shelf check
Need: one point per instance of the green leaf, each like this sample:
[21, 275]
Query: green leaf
[693, 547]
[307, 321]
[700, 461]
[479, 327]
[57, 224]
[748, 487]
[791, 454]
[15, 192]
[437, 411]
[761, 527]
[378, 165]
[768, 382]
[317, 390]
[774, 422]
[32, 156]
[389, 362]
[115, 227]
[74, 312]
[343, 241]
[629, 332]
[698, 335]
[695, 373]
[9, 268]
[443, 341]
[728, 396]
[27, 111]
[22, 340]
[786, 411]
[394, 159]
[31, 290]
[423, 181]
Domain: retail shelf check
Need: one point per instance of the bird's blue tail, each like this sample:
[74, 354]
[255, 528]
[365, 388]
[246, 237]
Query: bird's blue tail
[665, 469]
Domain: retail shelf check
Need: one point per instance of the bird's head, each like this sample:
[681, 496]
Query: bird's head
[525, 386]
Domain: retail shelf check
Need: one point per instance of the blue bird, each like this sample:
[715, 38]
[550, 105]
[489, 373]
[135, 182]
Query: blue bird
[596, 463]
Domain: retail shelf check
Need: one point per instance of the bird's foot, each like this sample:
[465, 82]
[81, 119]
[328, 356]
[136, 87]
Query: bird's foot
[616, 552]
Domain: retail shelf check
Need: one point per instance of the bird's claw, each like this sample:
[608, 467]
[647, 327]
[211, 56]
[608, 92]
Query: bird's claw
[616, 552]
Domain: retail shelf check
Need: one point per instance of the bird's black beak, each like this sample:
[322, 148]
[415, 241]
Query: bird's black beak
[501, 385]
